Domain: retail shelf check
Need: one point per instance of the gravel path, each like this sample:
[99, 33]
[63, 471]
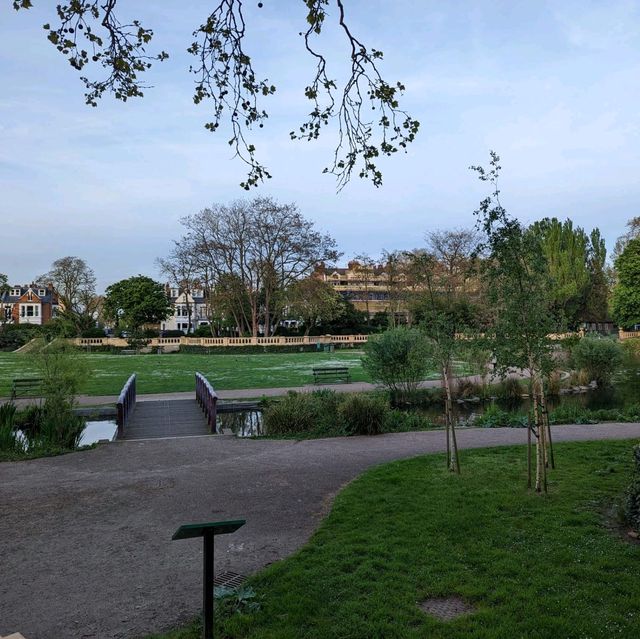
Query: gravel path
[85, 546]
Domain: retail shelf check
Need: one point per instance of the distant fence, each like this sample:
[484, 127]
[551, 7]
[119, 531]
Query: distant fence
[213, 342]
[119, 342]
[628, 334]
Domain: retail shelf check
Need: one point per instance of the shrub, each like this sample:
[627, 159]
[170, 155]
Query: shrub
[553, 383]
[9, 442]
[632, 501]
[398, 421]
[175, 333]
[599, 357]
[465, 388]
[293, 414]
[363, 414]
[570, 414]
[397, 358]
[93, 332]
[509, 389]
[493, 417]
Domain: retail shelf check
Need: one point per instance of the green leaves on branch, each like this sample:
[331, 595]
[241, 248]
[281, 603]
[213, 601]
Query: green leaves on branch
[625, 301]
[88, 31]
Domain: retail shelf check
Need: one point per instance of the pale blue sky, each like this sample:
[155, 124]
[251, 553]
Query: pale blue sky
[554, 87]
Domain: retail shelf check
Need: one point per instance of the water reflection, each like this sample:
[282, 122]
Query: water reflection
[246, 423]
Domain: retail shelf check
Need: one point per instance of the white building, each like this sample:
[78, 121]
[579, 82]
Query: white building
[183, 304]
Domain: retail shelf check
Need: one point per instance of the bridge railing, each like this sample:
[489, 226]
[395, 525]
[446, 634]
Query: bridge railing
[125, 404]
[208, 400]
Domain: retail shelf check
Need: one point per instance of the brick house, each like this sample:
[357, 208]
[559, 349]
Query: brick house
[29, 304]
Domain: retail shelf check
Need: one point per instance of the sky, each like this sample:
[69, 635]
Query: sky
[553, 87]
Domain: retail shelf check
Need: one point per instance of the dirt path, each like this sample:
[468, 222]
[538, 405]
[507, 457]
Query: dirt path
[85, 548]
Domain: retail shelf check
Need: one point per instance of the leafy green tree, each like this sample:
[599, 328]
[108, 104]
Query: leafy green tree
[519, 289]
[92, 33]
[625, 301]
[598, 357]
[75, 283]
[351, 321]
[5, 313]
[315, 302]
[398, 358]
[596, 300]
[136, 301]
[576, 263]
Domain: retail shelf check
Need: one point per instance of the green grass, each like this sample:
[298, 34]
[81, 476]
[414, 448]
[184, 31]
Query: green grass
[175, 372]
[536, 567]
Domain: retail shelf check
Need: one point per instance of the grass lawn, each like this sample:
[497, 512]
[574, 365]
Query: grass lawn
[535, 567]
[175, 372]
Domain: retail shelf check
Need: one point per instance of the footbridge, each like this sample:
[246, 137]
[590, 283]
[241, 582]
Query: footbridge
[166, 418]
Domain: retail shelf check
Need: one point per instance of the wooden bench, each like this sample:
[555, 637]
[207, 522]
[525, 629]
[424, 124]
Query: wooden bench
[26, 387]
[333, 373]
[128, 351]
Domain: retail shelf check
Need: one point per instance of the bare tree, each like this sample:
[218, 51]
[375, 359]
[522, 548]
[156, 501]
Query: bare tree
[75, 284]
[255, 250]
[364, 265]
[90, 32]
[181, 267]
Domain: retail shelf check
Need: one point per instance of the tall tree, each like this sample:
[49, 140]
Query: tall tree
[5, 312]
[575, 261]
[596, 299]
[364, 265]
[633, 231]
[75, 284]
[136, 301]
[444, 309]
[182, 268]
[256, 249]
[394, 267]
[518, 287]
[91, 32]
[625, 301]
[315, 302]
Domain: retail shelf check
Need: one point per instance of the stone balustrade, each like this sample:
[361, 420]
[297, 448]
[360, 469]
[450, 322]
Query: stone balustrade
[208, 342]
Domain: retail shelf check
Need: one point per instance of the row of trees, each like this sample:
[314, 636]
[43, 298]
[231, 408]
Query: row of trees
[506, 289]
[252, 258]
[254, 262]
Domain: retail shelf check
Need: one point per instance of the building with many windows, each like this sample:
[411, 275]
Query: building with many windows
[368, 287]
[189, 307]
[29, 304]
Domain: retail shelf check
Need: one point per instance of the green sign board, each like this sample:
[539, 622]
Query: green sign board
[207, 531]
[189, 531]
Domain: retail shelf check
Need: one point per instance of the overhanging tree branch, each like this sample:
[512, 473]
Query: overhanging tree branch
[225, 76]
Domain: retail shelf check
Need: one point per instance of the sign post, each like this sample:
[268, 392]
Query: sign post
[207, 531]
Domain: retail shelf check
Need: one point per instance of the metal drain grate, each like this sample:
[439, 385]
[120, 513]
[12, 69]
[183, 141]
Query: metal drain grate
[229, 579]
[446, 608]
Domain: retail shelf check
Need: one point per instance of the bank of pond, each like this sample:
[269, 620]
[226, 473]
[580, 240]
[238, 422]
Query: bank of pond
[325, 413]
[35, 432]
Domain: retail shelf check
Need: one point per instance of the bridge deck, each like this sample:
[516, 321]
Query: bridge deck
[166, 418]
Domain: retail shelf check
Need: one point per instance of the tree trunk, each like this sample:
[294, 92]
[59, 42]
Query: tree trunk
[549, 443]
[453, 457]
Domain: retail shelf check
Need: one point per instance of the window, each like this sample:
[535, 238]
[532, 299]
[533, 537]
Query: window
[36, 311]
[42, 292]
[16, 292]
[30, 311]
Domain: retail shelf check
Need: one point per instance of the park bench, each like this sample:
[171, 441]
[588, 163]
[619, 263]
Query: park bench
[128, 351]
[26, 387]
[331, 373]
